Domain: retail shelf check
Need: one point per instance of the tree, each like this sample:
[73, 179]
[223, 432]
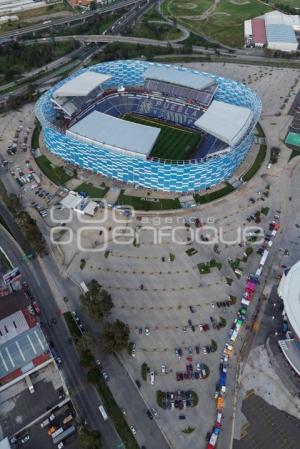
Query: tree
[93, 5]
[86, 358]
[97, 301]
[115, 336]
[86, 341]
[89, 438]
[93, 375]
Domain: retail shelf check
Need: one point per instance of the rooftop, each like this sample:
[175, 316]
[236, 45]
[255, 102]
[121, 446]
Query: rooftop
[81, 85]
[117, 134]
[291, 350]
[280, 33]
[290, 293]
[181, 77]
[259, 31]
[12, 325]
[12, 303]
[225, 121]
[19, 352]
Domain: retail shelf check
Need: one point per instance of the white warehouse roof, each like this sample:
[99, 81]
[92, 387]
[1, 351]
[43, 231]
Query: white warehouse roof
[81, 85]
[290, 293]
[179, 77]
[116, 134]
[225, 121]
[277, 18]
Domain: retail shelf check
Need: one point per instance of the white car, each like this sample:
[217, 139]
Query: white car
[154, 412]
[198, 366]
[147, 331]
[163, 369]
[152, 378]
[25, 439]
[133, 430]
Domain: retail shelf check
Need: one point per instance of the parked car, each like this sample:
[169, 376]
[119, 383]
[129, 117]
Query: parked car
[132, 430]
[106, 376]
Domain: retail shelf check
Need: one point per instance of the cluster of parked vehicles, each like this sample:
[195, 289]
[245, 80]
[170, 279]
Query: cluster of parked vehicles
[180, 399]
[249, 291]
[59, 428]
[41, 210]
[202, 327]
[197, 371]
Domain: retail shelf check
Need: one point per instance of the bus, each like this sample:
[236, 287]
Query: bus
[103, 412]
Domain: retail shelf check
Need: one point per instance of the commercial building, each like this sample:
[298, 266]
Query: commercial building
[289, 291]
[23, 346]
[75, 201]
[91, 132]
[274, 30]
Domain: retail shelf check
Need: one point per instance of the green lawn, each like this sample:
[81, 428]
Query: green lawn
[55, 174]
[144, 204]
[188, 8]
[226, 24]
[92, 191]
[158, 31]
[72, 326]
[257, 163]
[211, 196]
[290, 3]
[173, 143]
[36, 136]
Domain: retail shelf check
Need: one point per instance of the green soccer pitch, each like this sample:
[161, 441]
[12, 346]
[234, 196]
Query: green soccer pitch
[173, 143]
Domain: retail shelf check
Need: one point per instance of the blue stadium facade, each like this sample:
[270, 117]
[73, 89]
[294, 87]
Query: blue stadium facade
[185, 176]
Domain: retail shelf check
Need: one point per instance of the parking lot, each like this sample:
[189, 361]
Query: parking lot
[161, 293]
[18, 407]
[39, 434]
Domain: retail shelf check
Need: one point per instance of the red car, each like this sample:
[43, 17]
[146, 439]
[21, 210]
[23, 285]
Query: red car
[36, 307]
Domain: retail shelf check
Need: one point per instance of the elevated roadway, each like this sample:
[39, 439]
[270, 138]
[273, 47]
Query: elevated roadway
[69, 20]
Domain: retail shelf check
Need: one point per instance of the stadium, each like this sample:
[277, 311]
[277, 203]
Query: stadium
[289, 292]
[151, 125]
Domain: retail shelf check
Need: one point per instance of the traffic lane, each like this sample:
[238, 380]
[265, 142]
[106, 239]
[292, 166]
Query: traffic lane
[129, 398]
[84, 394]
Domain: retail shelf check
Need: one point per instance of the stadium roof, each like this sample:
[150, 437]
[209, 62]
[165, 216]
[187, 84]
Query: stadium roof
[21, 350]
[225, 121]
[81, 85]
[117, 134]
[259, 31]
[290, 293]
[281, 33]
[181, 77]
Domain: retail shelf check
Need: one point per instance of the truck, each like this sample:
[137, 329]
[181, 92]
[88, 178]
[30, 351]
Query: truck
[67, 419]
[36, 178]
[63, 435]
[103, 412]
[29, 384]
[84, 287]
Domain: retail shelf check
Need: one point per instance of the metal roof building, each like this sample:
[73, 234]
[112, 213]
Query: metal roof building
[289, 291]
[259, 31]
[19, 352]
[281, 37]
[225, 121]
[180, 77]
[116, 134]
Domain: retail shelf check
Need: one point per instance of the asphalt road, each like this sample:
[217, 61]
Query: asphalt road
[83, 395]
[85, 398]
